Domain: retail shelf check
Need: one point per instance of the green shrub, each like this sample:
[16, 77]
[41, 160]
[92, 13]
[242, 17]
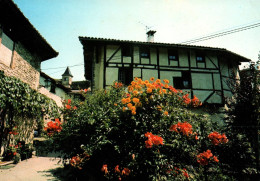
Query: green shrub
[144, 131]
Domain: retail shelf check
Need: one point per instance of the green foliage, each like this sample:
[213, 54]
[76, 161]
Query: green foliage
[20, 106]
[113, 127]
[23, 100]
[242, 154]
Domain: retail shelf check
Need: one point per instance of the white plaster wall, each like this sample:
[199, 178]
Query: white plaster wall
[126, 60]
[173, 63]
[169, 75]
[228, 94]
[100, 71]
[111, 75]
[193, 59]
[136, 56]
[201, 81]
[215, 98]
[144, 60]
[153, 56]
[111, 49]
[163, 57]
[217, 81]
[211, 57]
[147, 74]
[224, 67]
[137, 72]
[202, 95]
[183, 58]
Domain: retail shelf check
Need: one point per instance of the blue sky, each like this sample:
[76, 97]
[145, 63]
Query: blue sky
[60, 22]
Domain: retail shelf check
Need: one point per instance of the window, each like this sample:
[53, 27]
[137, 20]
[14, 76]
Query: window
[65, 79]
[183, 82]
[125, 75]
[6, 50]
[126, 51]
[200, 57]
[144, 52]
[173, 55]
[53, 88]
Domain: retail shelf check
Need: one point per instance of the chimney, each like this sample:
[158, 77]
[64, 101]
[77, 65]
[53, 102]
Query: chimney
[150, 35]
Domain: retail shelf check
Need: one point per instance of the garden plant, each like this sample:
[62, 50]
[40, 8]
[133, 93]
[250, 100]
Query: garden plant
[21, 110]
[144, 131]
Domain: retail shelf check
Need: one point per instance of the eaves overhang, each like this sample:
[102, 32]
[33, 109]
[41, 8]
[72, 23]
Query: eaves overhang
[14, 23]
[104, 41]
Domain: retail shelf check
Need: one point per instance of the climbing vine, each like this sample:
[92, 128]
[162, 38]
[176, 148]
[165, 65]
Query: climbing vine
[20, 106]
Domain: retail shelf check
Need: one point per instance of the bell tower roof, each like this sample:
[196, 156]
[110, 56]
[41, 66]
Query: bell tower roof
[67, 72]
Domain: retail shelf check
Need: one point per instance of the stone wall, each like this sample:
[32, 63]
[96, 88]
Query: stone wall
[19, 67]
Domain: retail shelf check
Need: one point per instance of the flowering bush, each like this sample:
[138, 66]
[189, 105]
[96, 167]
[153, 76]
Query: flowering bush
[53, 127]
[144, 131]
[217, 138]
[205, 157]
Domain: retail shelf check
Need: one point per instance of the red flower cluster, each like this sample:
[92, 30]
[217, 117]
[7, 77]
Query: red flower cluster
[216, 138]
[13, 132]
[53, 127]
[125, 171]
[184, 128]
[118, 85]
[104, 169]
[186, 99]
[176, 171]
[77, 161]
[68, 105]
[196, 102]
[153, 140]
[205, 157]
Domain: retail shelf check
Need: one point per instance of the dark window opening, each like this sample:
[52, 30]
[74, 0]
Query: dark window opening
[200, 57]
[173, 55]
[53, 88]
[126, 51]
[65, 78]
[183, 82]
[144, 52]
[125, 75]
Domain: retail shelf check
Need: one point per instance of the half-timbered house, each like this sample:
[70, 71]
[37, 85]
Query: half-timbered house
[203, 71]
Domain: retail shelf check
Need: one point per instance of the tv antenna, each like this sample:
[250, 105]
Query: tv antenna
[147, 28]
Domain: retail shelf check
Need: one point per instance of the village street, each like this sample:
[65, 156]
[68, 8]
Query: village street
[33, 169]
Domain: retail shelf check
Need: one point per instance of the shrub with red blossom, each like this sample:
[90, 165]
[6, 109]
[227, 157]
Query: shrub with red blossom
[153, 140]
[53, 127]
[184, 128]
[139, 132]
[217, 138]
[205, 157]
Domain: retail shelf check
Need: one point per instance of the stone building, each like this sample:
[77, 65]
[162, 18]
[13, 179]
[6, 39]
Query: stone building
[203, 71]
[22, 48]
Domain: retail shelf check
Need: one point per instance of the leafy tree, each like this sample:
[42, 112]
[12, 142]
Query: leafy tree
[242, 154]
